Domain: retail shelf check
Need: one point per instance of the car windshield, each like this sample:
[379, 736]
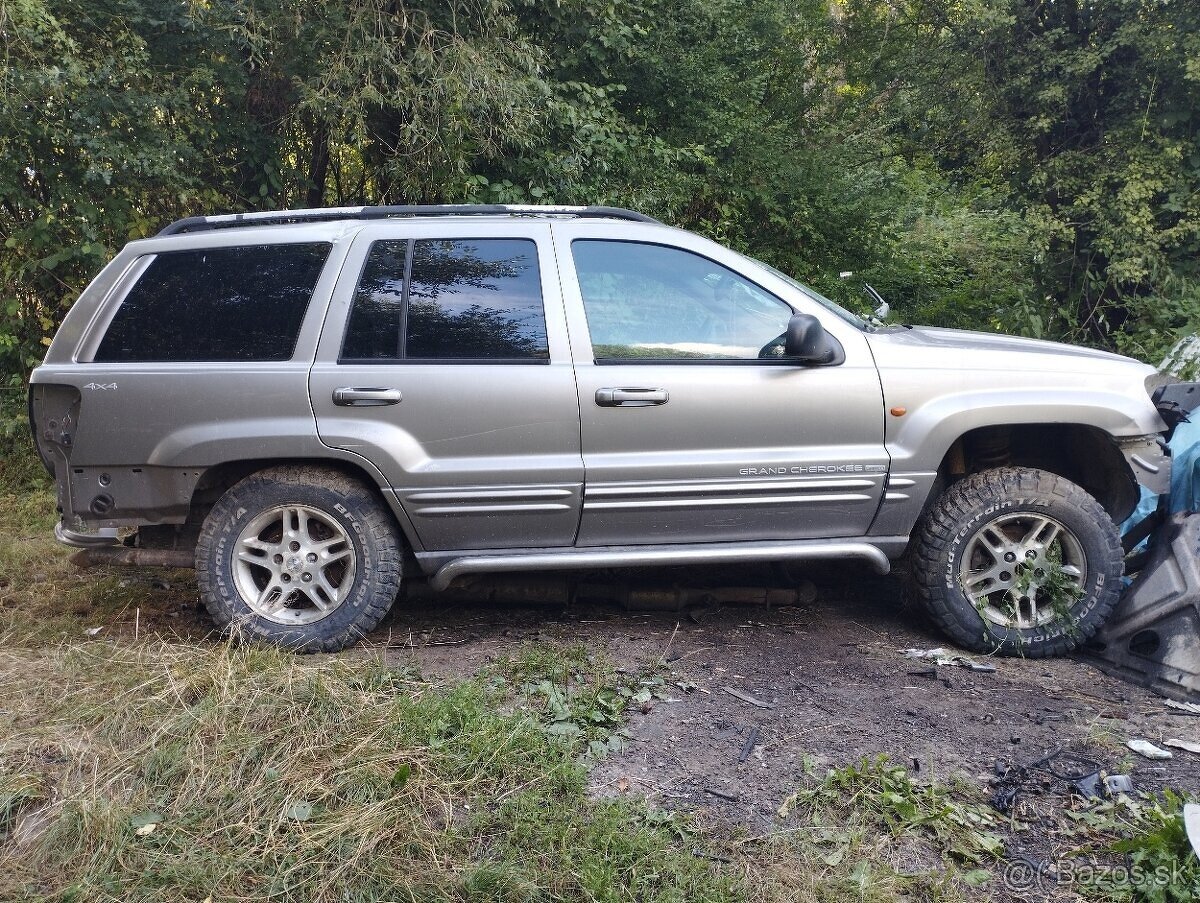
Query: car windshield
[832, 306]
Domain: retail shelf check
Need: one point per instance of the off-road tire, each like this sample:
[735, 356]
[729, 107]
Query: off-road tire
[350, 504]
[966, 508]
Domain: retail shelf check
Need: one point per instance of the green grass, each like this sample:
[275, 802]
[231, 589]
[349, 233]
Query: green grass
[873, 832]
[273, 777]
[269, 776]
[1145, 839]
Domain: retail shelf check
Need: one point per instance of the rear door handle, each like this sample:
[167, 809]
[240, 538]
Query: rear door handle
[630, 398]
[359, 397]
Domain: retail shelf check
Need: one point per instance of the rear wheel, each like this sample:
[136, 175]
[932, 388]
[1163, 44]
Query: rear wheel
[299, 556]
[1017, 561]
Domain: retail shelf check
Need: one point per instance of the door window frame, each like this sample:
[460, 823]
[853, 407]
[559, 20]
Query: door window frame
[847, 337]
[685, 361]
[337, 317]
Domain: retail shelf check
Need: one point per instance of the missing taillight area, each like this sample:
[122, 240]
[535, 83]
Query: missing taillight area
[53, 417]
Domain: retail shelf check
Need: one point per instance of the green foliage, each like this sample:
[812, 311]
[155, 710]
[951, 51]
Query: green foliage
[1146, 845]
[995, 164]
[1084, 113]
[578, 697]
[1159, 847]
[218, 771]
[887, 795]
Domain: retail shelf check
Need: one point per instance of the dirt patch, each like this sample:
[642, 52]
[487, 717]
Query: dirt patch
[830, 677]
[759, 697]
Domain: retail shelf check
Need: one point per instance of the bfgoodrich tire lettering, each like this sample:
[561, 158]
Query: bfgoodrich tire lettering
[1017, 561]
[301, 557]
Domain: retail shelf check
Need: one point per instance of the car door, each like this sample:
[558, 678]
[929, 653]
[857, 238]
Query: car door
[694, 427]
[444, 360]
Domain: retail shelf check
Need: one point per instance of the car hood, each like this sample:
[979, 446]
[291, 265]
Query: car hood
[925, 347]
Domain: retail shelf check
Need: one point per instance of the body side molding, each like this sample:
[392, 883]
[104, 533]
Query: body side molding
[634, 556]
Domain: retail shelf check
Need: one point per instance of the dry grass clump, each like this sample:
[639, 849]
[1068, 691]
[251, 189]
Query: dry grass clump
[153, 768]
[267, 776]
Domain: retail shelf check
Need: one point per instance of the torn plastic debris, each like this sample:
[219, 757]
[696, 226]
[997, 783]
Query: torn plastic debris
[1011, 780]
[748, 746]
[936, 652]
[971, 665]
[1149, 750]
[1089, 786]
[1191, 822]
[940, 656]
[1151, 637]
[1185, 745]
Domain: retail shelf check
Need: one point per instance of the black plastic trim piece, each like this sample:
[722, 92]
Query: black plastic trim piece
[47, 462]
[415, 361]
[333, 214]
[1175, 401]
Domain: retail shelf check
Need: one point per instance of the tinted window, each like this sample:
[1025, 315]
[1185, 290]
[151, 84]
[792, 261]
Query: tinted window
[476, 299]
[479, 298]
[373, 332]
[217, 304]
[652, 302]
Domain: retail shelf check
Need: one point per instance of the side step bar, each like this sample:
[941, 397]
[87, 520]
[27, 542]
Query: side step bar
[637, 556]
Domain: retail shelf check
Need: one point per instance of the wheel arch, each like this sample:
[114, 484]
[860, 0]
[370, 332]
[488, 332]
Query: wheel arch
[1084, 454]
[216, 479]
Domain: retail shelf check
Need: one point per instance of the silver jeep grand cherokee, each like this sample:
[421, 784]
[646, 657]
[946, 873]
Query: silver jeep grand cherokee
[303, 403]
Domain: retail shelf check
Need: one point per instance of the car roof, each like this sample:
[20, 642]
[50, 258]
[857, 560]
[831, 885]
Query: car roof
[194, 224]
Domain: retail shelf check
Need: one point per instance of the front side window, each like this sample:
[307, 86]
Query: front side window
[448, 299]
[652, 302]
[217, 304]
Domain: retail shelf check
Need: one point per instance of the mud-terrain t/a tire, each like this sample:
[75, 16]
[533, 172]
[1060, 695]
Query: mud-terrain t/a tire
[1017, 561]
[301, 557]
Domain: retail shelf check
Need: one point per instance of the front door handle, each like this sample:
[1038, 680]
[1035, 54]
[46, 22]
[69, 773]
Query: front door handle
[630, 398]
[359, 397]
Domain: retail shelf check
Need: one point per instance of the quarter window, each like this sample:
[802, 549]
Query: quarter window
[651, 302]
[463, 299]
[217, 304]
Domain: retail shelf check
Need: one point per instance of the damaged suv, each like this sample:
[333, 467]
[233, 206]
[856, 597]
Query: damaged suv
[309, 405]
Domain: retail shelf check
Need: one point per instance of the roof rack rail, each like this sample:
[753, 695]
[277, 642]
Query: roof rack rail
[325, 214]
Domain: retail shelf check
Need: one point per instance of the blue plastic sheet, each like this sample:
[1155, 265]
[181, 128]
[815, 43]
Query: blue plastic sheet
[1185, 476]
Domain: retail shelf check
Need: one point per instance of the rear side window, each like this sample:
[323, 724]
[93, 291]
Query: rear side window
[217, 304]
[449, 299]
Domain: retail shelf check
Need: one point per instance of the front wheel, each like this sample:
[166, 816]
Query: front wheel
[1017, 561]
[301, 557]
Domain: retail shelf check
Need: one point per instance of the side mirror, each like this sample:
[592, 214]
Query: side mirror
[806, 340]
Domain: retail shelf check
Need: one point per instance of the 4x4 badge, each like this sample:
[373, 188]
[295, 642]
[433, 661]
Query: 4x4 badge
[105, 386]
